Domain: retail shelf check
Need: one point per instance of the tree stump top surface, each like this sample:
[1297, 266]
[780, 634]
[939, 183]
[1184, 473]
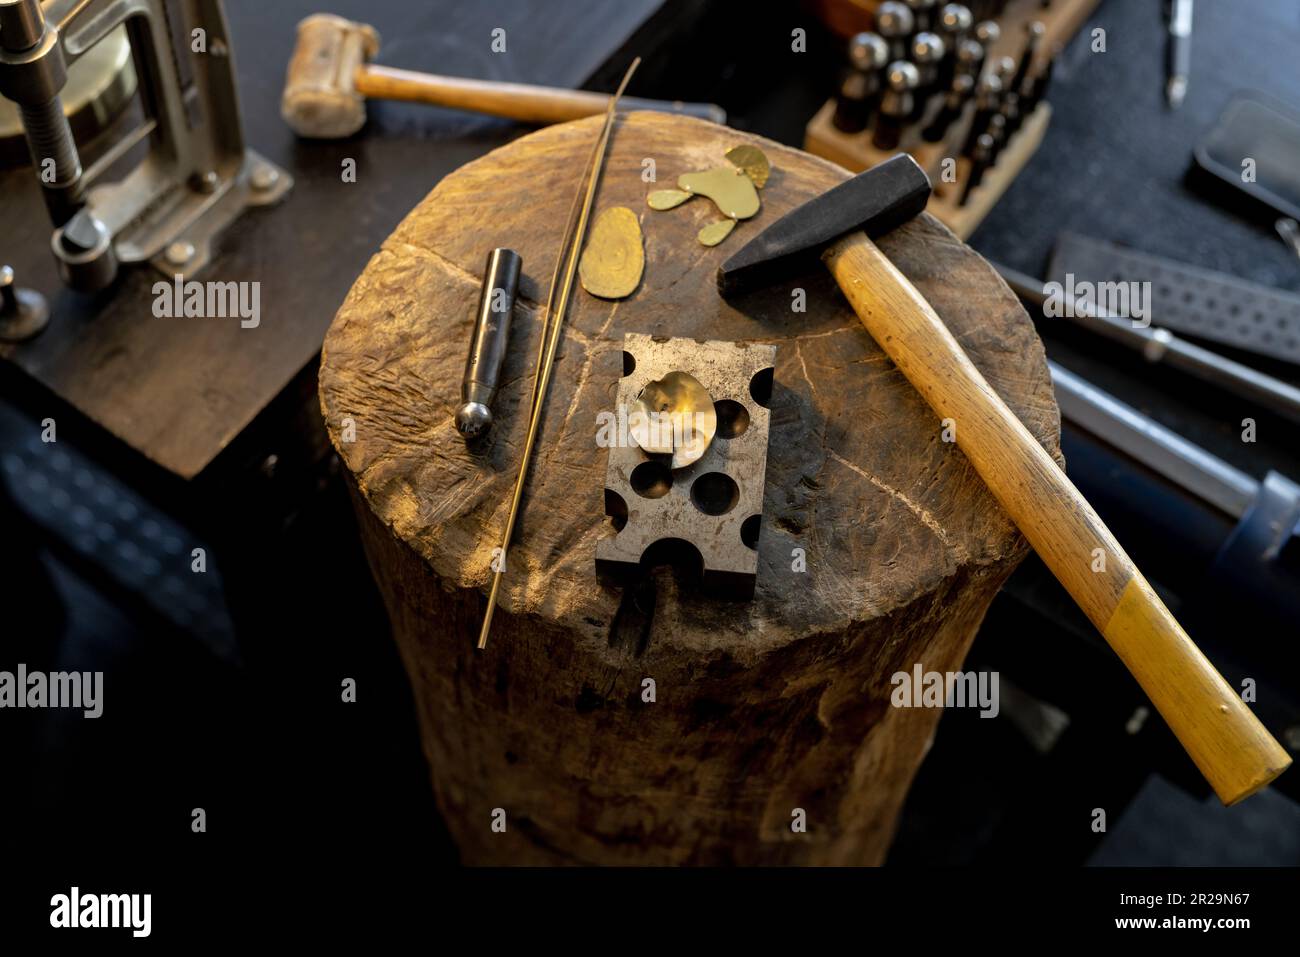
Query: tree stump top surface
[859, 476]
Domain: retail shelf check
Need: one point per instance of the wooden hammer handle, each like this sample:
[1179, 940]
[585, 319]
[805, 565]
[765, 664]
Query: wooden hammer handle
[1231, 747]
[540, 105]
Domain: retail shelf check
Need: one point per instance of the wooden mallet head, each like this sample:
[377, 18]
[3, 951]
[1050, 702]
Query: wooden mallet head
[321, 100]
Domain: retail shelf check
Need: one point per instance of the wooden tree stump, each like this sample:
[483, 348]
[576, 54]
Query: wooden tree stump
[760, 708]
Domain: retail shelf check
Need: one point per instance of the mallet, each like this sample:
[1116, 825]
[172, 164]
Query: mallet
[330, 77]
[1231, 747]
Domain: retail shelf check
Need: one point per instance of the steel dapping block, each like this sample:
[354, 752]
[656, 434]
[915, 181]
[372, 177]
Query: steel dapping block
[705, 517]
[487, 347]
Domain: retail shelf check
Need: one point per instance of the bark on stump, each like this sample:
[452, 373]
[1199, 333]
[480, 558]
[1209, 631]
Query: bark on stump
[761, 708]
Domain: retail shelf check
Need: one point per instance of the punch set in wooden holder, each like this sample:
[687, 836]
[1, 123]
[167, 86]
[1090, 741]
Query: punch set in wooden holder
[941, 128]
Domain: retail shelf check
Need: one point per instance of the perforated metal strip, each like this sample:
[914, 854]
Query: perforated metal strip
[1185, 299]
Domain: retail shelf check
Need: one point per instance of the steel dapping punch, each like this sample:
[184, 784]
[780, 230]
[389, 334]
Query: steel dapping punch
[487, 347]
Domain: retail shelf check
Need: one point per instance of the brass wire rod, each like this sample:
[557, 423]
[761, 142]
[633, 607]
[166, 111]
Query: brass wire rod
[571, 247]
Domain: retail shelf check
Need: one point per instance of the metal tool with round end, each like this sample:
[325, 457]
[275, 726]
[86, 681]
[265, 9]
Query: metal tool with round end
[988, 95]
[895, 23]
[23, 312]
[969, 57]
[955, 21]
[987, 32]
[901, 80]
[954, 101]
[1034, 33]
[860, 87]
[953, 24]
[868, 51]
[927, 51]
[674, 416]
[487, 349]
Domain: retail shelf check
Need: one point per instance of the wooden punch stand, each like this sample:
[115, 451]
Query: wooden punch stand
[760, 708]
[854, 151]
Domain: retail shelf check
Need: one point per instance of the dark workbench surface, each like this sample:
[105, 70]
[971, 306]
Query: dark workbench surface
[179, 390]
[1113, 166]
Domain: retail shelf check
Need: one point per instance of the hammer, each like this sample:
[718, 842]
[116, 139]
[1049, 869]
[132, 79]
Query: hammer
[1227, 742]
[330, 77]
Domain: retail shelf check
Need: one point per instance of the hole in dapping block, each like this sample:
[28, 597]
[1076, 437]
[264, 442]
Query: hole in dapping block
[629, 363]
[651, 479]
[749, 530]
[733, 418]
[760, 387]
[616, 509]
[715, 493]
[682, 555]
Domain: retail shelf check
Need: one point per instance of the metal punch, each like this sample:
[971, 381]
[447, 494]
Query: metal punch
[487, 347]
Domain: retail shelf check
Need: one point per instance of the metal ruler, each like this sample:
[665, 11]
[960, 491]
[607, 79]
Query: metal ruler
[1189, 300]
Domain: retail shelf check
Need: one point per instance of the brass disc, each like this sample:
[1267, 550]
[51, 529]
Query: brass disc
[752, 160]
[674, 416]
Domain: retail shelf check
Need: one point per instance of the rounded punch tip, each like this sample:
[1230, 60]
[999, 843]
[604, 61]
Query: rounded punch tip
[473, 419]
[868, 51]
[988, 32]
[927, 48]
[902, 76]
[955, 19]
[969, 53]
[894, 20]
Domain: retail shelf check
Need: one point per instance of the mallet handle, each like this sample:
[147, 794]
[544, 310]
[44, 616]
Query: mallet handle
[516, 101]
[1231, 747]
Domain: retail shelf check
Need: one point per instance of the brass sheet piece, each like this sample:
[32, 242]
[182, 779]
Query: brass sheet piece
[613, 261]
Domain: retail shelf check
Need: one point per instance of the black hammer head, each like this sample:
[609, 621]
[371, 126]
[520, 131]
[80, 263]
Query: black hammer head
[877, 200]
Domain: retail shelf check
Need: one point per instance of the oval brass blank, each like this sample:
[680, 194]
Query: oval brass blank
[614, 259]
